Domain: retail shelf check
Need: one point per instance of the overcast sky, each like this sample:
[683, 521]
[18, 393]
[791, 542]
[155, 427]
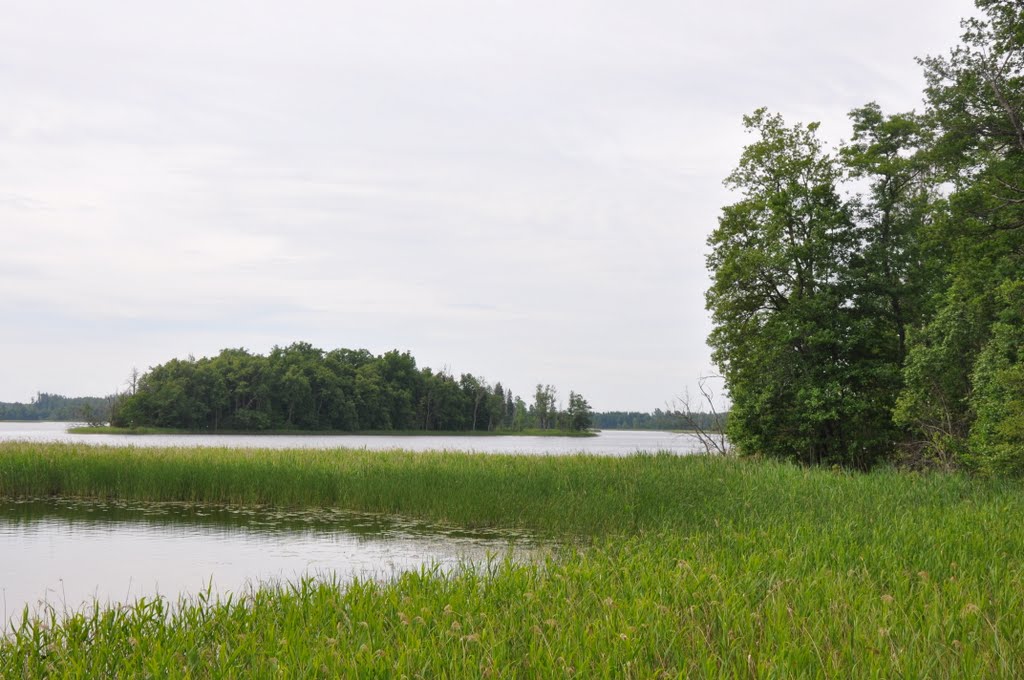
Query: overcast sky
[520, 190]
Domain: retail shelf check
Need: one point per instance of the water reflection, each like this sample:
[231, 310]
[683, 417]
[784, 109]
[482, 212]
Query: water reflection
[67, 553]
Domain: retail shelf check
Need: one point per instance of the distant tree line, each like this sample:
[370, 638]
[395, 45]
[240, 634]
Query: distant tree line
[658, 420]
[55, 407]
[301, 387]
[868, 302]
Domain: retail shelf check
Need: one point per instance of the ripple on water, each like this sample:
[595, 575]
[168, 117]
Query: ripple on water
[67, 553]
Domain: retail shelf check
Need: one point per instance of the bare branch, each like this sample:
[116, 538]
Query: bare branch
[711, 437]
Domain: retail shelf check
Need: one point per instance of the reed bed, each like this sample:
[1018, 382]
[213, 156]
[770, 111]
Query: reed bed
[684, 567]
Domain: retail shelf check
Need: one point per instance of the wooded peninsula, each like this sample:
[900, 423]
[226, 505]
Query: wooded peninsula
[301, 387]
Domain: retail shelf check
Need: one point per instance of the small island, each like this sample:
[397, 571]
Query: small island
[303, 389]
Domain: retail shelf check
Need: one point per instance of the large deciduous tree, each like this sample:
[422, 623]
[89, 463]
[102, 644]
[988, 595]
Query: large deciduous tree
[782, 300]
[826, 308]
[578, 414]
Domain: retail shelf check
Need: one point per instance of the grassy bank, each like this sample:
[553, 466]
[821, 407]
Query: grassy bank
[109, 429]
[688, 566]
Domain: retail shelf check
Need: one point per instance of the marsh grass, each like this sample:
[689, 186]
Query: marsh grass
[685, 567]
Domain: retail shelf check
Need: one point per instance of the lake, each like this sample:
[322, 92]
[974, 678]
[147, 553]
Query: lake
[606, 443]
[67, 553]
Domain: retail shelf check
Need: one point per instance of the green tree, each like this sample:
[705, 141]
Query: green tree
[292, 370]
[510, 411]
[371, 398]
[545, 408]
[476, 392]
[782, 303]
[893, 216]
[520, 415]
[578, 412]
[997, 435]
[975, 98]
[496, 407]
[889, 277]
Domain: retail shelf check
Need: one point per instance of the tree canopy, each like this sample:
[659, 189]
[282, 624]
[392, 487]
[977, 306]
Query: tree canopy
[301, 387]
[869, 300]
[46, 406]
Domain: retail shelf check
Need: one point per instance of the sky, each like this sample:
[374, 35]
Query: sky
[521, 190]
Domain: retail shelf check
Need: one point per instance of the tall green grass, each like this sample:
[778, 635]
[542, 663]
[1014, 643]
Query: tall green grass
[556, 495]
[688, 567]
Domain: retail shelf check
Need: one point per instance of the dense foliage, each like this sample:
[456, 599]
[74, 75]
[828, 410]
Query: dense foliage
[871, 300]
[301, 387]
[57, 407]
[658, 420]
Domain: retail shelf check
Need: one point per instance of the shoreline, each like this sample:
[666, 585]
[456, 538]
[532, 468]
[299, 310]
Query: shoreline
[87, 429]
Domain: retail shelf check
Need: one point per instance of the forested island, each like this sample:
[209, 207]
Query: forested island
[96, 411]
[868, 302]
[301, 387]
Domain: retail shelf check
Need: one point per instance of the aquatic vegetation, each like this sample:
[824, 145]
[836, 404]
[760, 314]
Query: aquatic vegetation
[581, 494]
[684, 566]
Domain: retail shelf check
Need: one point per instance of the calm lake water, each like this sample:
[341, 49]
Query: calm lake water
[67, 554]
[607, 443]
